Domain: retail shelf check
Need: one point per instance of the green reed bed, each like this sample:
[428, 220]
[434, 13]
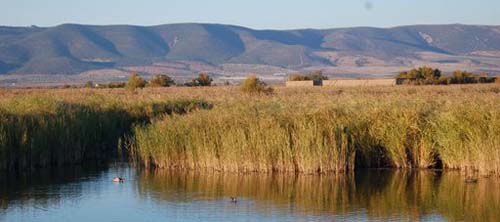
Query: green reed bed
[451, 128]
[51, 130]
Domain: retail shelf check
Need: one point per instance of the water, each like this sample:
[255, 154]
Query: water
[76, 194]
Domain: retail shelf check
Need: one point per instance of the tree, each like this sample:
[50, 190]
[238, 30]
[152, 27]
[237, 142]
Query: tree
[135, 81]
[89, 84]
[161, 81]
[298, 77]
[421, 75]
[429, 73]
[253, 85]
[402, 75]
[462, 77]
[317, 76]
[203, 80]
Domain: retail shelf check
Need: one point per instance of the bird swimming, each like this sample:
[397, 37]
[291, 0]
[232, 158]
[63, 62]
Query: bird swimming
[234, 200]
[118, 179]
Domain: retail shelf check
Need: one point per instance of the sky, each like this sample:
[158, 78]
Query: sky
[258, 14]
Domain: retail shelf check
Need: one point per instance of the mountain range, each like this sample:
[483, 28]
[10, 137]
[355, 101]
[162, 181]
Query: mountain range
[226, 49]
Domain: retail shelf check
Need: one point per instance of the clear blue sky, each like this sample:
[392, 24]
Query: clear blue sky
[260, 14]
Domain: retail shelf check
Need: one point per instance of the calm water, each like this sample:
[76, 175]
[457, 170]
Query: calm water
[76, 194]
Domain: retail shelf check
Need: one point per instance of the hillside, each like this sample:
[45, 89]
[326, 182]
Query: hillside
[190, 48]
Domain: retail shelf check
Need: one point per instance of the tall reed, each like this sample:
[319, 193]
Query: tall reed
[41, 131]
[318, 131]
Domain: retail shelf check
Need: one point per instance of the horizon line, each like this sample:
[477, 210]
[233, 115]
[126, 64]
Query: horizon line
[248, 27]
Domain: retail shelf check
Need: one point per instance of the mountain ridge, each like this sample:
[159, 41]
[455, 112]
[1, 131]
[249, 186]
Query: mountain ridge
[77, 48]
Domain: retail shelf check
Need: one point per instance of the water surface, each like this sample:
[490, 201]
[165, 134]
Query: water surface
[82, 194]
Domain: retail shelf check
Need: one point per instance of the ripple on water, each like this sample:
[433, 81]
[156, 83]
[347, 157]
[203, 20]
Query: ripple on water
[85, 194]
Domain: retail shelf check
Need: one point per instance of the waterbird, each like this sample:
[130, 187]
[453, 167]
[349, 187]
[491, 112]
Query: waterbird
[118, 179]
[233, 200]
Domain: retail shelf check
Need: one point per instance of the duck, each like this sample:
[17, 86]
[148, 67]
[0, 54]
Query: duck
[234, 200]
[118, 179]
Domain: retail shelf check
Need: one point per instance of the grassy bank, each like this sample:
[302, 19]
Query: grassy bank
[53, 128]
[331, 130]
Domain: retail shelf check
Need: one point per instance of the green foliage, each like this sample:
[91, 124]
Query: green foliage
[161, 81]
[464, 77]
[253, 85]
[315, 76]
[202, 80]
[135, 81]
[298, 77]
[429, 76]
[420, 76]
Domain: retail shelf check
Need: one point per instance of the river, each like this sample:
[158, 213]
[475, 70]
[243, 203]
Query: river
[88, 194]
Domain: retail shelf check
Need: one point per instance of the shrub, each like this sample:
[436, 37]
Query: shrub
[253, 85]
[462, 77]
[89, 84]
[114, 85]
[203, 80]
[135, 81]
[429, 76]
[444, 80]
[421, 75]
[315, 76]
[161, 81]
[298, 77]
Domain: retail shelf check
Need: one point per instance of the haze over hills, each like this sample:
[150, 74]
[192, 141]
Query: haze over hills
[225, 50]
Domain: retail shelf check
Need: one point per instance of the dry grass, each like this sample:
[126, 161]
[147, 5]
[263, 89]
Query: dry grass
[42, 128]
[306, 130]
[329, 130]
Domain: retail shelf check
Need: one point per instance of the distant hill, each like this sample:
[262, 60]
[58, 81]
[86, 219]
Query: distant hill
[73, 49]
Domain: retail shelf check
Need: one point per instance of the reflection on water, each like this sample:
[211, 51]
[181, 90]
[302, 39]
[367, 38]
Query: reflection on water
[372, 195]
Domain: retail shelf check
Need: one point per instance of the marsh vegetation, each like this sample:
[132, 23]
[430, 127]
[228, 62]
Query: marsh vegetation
[310, 130]
[43, 128]
[331, 130]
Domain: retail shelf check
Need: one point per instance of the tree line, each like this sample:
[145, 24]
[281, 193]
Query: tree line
[252, 84]
[314, 76]
[430, 76]
[135, 81]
